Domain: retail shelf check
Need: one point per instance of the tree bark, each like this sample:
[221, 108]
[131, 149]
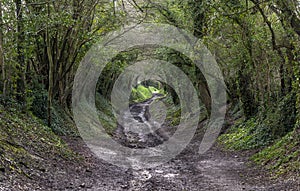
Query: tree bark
[2, 63]
[20, 54]
[50, 74]
[199, 23]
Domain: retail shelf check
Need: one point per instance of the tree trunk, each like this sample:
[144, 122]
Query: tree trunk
[199, 22]
[21, 59]
[2, 63]
[50, 74]
[51, 79]
[247, 97]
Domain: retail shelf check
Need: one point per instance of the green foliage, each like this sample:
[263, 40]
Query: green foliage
[296, 87]
[173, 112]
[62, 123]
[283, 119]
[24, 140]
[283, 157]
[38, 100]
[256, 47]
[264, 128]
[105, 113]
[245, 135]
[173, 115]
[142, 93]
[113, 69]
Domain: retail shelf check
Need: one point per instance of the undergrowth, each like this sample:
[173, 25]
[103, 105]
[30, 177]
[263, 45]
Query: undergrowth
[283, 157]
[250, 134]
[263, 129]
[26, 144]
[272, 133]
[106, 115]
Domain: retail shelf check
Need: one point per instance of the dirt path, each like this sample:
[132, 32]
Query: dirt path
[216, 170]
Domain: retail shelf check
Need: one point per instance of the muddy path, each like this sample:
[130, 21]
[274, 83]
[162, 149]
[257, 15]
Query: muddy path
[215, 170]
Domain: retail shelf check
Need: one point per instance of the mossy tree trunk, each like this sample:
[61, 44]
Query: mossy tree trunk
[2, 63]
[20, 67]
[198, 12]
